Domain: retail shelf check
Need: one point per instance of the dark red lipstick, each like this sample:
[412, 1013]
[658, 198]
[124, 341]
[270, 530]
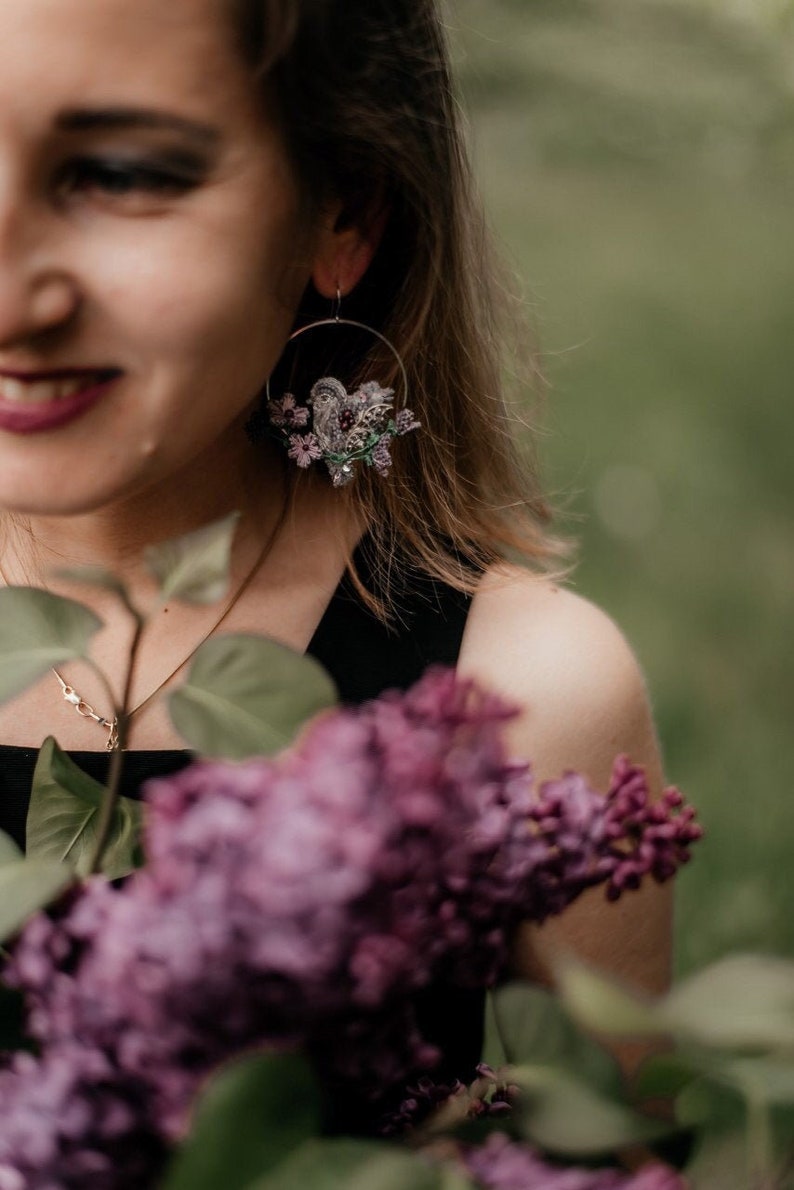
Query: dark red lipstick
[21, 413]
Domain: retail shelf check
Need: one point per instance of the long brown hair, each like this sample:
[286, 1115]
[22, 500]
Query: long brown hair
[363, 92]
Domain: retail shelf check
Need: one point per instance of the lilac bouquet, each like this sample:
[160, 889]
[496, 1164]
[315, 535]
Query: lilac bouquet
[303, 901]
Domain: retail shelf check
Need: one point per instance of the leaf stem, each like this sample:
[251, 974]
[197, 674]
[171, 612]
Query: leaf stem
[122, 714]
[759, 1137]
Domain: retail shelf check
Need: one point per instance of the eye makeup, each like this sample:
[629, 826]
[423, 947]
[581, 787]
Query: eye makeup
[166, 171]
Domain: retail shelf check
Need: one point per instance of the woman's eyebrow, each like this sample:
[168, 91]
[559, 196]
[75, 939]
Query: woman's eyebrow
[123, 118]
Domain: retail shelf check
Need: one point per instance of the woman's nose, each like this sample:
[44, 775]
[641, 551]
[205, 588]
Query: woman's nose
[36, 293]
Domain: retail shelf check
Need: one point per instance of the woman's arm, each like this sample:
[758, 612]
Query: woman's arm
[584, 701]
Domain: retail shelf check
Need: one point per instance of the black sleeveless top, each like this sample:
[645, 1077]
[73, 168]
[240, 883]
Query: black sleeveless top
[364, 657]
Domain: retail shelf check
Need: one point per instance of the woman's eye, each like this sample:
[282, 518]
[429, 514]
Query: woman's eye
[119, 179]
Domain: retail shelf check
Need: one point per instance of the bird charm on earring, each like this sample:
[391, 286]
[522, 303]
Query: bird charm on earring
[335, 426]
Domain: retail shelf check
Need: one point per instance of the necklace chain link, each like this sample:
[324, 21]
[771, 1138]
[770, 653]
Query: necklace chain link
[86, 711]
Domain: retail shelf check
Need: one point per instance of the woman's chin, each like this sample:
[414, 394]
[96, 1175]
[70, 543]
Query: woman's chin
[71, 497]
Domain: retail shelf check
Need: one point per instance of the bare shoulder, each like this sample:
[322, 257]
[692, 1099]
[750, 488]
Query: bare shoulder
[583, 701]
[569, 668]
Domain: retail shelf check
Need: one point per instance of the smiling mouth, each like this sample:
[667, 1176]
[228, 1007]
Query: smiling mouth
[40, 390]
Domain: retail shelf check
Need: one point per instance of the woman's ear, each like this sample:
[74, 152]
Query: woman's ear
[345, 248]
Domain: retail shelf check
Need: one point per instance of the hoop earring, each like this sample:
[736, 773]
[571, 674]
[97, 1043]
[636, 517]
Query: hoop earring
[334, 426]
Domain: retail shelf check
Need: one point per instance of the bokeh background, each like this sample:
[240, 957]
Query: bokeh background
[637, 161]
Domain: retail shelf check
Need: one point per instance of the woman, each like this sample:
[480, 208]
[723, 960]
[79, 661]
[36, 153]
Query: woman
[181, 187]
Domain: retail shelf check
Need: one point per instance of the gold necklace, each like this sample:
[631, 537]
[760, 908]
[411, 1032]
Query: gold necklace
[86, 711]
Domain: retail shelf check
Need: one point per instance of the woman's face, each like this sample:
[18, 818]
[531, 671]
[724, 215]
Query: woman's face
[152, 252]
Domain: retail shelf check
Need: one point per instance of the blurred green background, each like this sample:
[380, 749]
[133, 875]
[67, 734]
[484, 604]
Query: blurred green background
[637, 159]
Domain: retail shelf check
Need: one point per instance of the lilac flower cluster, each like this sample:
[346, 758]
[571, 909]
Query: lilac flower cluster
[70, 1120]
[302, 901]
[503, 1164]
[584, 839]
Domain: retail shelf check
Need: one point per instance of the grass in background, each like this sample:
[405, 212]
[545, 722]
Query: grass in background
[637, 159]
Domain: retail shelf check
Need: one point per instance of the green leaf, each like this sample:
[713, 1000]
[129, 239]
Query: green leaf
[664, 1076]
[195, 568]
[9, 852]
[741, 1002]
[247, 696]
[493, 1053]
[762, 1080]
[353, 1165]
[253, 1114]
[725, 1162]
[536, 1030]
[94, 576]
[721, 1163]
[454, 1179]
[604, 1005]
[563, 1115]
[27, 886]
[64, 814]
[39, 630]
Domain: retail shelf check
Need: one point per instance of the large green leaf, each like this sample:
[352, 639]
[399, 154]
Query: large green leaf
[195, 568]
[9, 852]
[536, 1030]
[563, 1115]
[64, 815]
[248, 696]
[27, 886]
[356, 1165]
[741, 1002]
[253, 1114]
[39, 630]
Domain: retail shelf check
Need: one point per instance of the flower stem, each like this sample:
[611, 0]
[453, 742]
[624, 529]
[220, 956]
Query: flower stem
[122, 714]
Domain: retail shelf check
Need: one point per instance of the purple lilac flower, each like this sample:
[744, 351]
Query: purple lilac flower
[619, 839]
[303, 900]
[69, 1121]
[304, 449]
[503, 1164]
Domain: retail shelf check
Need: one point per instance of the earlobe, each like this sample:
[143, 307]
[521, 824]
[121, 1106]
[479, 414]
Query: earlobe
[345, 251]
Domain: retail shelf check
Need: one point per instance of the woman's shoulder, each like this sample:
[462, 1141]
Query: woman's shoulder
[567, 666]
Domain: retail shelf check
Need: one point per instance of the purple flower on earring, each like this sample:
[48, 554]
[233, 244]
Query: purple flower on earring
[405, 421]
[286, 413]
[381, 456]
[304, 449]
